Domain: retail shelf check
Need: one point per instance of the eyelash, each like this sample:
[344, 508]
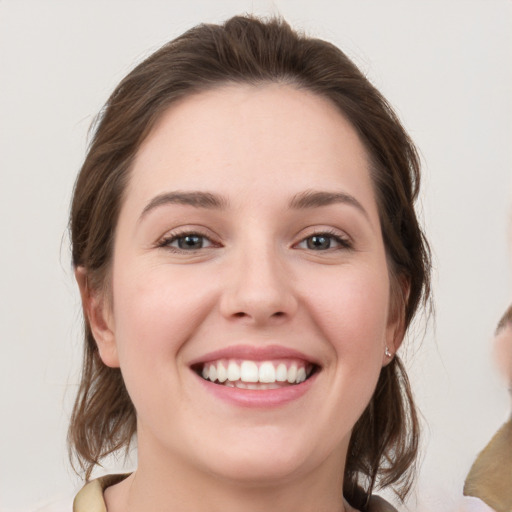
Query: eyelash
[344, 243]
[175, 237]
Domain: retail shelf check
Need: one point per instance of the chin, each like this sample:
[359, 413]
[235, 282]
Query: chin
[251, 462]
[261, 471]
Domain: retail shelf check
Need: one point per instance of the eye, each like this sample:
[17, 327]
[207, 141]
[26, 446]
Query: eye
[324, 242]
[186, 242]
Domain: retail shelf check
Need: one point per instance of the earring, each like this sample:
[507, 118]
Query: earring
[388, 353]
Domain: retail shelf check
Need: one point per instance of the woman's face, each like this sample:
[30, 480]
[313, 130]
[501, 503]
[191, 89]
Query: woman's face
[249, 251]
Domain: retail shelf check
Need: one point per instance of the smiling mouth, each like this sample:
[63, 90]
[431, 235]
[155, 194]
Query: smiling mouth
[256, 375]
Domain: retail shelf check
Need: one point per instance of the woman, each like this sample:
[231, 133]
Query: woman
[249, 260]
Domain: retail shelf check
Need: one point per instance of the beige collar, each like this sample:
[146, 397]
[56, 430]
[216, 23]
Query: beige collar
[90, 497]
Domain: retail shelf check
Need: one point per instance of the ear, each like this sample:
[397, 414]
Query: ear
[395, 330]
[98, 314]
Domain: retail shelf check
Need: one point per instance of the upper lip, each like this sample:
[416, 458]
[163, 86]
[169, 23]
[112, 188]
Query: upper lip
[254, 353]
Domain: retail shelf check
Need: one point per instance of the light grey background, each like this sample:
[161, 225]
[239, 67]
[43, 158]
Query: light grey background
[445, 65]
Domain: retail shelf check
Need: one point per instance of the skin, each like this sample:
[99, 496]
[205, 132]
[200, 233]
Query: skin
[256, 281]
[503, 353]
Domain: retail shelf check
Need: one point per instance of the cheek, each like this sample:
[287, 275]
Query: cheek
[351, 307]
[155, 314]
[352, 313]
[156, 311]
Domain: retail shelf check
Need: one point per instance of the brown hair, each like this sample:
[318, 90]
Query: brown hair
[505, 320]
[247, 50]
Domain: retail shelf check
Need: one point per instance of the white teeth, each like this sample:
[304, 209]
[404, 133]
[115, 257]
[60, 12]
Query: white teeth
[222, 373]
[249, 371]
[292, 374]
[267, 372]
[233, 371]
[281, 373]
[264, 374]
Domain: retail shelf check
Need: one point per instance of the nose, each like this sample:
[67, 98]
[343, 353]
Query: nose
[259, 289]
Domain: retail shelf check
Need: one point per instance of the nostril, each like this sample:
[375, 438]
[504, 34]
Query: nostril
[241, 314]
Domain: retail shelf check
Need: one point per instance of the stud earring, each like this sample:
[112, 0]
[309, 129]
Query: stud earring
[388, 353]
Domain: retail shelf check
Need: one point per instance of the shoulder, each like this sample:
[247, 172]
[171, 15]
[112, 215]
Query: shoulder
[489, 476]
[90, 497]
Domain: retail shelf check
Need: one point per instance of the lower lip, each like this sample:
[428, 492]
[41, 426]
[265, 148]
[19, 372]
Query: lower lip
[263, 398]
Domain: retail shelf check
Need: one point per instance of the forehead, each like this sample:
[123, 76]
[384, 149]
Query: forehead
[250, 136]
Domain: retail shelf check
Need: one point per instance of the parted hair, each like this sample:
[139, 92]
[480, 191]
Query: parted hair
[247, 50]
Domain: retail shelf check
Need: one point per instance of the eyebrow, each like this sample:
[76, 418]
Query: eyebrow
[315, 199]
[196, 199]
[303, 200]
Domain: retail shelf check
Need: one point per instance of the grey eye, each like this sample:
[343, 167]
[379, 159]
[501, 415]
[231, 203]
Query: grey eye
[319, 242]
[190, 242]
[324, 242]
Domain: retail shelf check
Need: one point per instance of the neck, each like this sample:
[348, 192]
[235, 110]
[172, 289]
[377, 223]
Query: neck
[173, 485]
